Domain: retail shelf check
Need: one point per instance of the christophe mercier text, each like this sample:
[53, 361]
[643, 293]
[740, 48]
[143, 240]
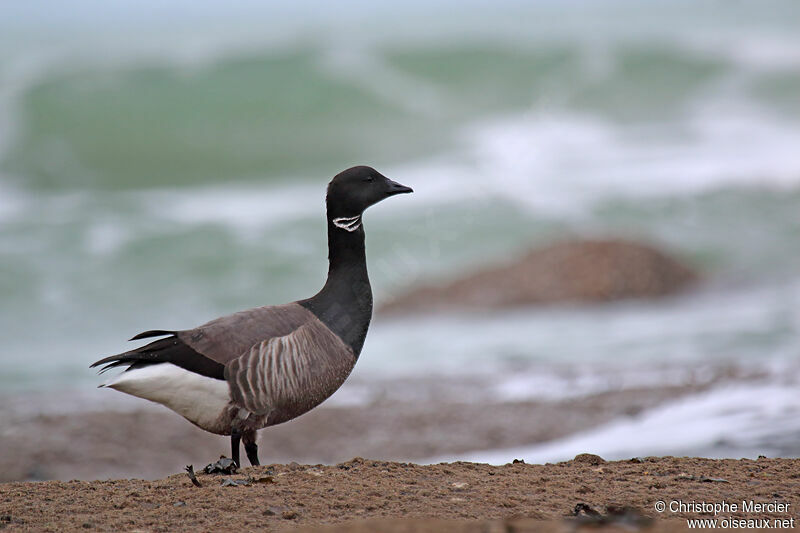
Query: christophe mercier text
[746, 506]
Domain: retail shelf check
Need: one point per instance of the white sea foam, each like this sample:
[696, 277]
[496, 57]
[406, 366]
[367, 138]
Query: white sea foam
[240, 206]
[564, 163]
[555, 384]
[758, 50]
[11, 201]
[731, 421]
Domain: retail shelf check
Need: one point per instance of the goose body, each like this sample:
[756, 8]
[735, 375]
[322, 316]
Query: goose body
[256, 368]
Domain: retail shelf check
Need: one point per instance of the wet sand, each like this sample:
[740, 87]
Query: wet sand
[367, 495]
[152, 442]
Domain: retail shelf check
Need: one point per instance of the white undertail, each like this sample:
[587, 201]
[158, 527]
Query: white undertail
[199, 399]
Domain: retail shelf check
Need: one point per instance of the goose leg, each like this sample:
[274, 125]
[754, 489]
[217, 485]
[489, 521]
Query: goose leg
[236, 437]
[250, 447]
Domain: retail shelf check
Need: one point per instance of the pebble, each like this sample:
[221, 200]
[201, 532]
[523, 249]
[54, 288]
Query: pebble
[228, 482]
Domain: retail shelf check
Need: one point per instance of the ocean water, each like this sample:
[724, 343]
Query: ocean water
[162, 165]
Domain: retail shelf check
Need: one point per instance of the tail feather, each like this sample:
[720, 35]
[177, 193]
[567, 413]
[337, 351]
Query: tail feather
[168, 350]
[152, 353]
[152, 333]
[129, 360]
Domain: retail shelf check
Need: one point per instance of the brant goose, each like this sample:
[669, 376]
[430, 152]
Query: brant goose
[267, 365]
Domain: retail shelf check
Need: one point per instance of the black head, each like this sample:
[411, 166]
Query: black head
[352, 191]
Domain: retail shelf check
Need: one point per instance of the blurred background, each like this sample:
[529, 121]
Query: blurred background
[163, 164]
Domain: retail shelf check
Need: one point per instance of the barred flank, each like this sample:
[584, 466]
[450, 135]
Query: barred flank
[293, 373]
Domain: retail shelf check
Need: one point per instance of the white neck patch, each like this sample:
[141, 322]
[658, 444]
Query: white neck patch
[348, 223]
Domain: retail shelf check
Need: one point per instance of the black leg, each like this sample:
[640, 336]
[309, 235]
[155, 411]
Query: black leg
[236, 437]
[251, 448]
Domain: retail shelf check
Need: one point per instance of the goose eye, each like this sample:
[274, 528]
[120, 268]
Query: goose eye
[369, 178]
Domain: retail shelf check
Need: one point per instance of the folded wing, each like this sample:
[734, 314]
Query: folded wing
[206, 349]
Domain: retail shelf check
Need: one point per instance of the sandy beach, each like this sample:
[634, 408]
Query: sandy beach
[369, 495]
[123, 470]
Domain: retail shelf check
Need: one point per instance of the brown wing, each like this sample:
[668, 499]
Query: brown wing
[228, 337]
[290, 374]
[205, 349]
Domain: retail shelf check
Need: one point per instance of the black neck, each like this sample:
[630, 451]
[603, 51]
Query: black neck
[345, 302]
